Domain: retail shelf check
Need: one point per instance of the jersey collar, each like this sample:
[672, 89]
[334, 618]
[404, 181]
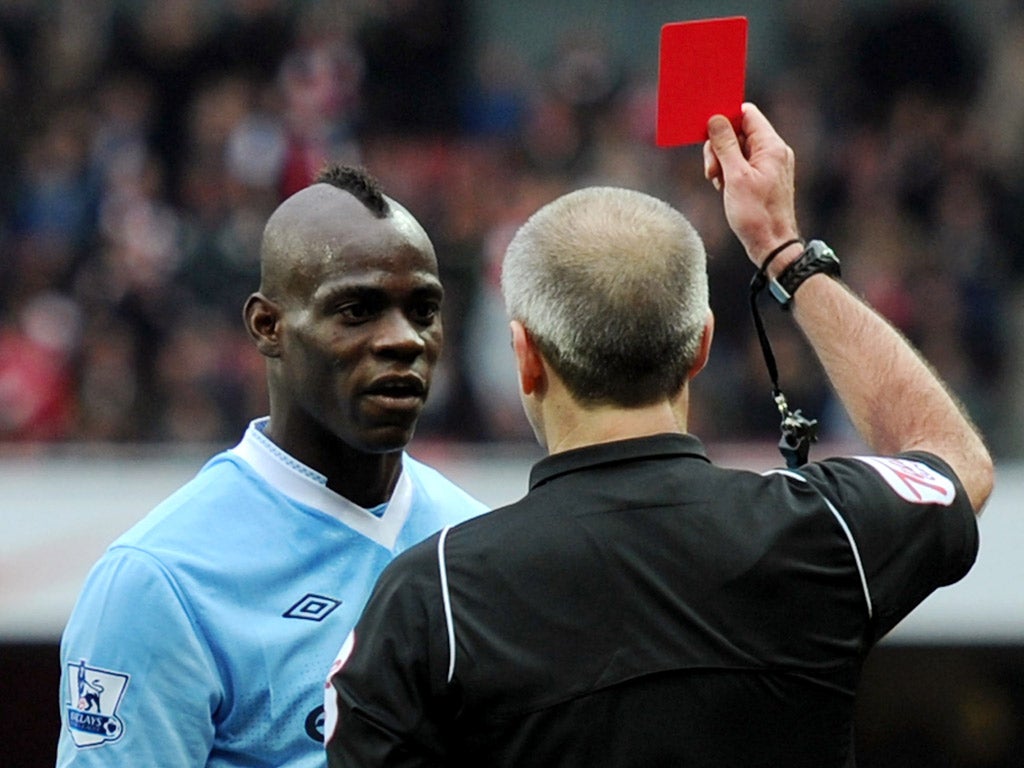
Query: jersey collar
[611, 453]
[307, 486]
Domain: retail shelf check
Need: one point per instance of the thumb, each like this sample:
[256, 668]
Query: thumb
[725, 144]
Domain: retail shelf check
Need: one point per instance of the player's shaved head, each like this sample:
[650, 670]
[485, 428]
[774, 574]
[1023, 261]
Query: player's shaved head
[307, 230]
[296, 240]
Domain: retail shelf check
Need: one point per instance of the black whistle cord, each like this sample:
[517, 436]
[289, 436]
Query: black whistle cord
[798, 432]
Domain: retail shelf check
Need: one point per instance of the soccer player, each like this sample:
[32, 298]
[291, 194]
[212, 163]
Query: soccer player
[205, 629]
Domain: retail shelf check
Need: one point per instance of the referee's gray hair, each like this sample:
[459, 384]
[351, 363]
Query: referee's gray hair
[612, 286]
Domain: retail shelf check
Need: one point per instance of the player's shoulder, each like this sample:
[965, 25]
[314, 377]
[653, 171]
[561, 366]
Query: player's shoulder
[190, 512]
[434, 484]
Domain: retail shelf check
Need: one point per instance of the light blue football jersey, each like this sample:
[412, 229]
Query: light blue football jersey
[204, 634]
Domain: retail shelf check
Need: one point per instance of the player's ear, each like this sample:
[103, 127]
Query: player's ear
[704, 351]
[263, 322]
[528, 360]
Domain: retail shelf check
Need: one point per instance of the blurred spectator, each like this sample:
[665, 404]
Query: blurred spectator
[172, 44]
[108, 386]
[200, 380]
[416, 65]
[36, 386]
[494, 99]
[910, 48]
[320, 84]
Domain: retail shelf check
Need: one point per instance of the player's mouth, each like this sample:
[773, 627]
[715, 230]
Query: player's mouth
[398, 392]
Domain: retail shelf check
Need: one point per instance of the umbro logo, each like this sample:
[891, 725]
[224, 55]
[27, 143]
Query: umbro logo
[312, 608]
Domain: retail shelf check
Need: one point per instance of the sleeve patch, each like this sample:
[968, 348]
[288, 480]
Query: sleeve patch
[913, 481]
[94, 694]
[330, 695]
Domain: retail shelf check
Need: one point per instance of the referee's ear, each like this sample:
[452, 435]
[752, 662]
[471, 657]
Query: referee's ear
[704, 351]
[528, 360]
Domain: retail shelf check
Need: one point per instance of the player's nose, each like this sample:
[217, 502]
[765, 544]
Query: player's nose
[398, 335]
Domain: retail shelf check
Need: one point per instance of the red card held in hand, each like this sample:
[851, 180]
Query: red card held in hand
[701, 72]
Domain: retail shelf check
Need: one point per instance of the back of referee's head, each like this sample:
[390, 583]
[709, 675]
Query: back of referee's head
[611, 285]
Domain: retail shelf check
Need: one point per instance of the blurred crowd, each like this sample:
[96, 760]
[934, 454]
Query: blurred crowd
[143, 143]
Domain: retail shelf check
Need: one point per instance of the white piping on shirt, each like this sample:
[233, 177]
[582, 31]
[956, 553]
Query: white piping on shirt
[307, 486]
[447, 599]
[846, 531]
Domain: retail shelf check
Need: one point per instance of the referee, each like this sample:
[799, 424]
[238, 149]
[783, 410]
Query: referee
[642, 606]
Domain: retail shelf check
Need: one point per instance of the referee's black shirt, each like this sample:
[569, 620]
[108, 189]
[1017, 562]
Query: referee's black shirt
[644, 607]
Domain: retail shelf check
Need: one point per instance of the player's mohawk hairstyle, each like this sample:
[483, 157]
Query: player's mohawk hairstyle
[359, 183]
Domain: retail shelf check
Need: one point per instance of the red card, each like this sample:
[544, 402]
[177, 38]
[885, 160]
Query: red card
[701, 72]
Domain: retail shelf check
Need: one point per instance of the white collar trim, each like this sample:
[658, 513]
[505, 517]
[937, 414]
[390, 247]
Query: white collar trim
[307, 486]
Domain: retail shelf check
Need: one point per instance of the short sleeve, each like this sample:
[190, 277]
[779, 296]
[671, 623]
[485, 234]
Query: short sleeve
[910, 520]
[138, 686]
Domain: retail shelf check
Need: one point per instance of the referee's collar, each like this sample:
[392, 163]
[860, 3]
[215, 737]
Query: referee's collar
[587, 457]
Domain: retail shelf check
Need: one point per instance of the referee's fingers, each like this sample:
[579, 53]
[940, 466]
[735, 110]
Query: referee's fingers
[724, 147]
[712, 168]
[756, 127]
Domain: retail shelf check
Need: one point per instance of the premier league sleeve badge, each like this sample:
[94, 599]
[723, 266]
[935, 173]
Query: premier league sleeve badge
[93, 698]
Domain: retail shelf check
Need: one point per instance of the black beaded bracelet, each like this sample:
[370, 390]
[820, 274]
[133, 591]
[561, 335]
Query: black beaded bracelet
[817, 257]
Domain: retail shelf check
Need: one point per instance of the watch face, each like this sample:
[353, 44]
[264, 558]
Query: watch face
[820, 249]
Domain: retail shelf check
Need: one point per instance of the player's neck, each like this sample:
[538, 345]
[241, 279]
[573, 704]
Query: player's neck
[367, 479]
[364, 478]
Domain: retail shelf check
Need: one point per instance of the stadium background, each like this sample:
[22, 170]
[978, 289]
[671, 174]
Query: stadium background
[144, 142]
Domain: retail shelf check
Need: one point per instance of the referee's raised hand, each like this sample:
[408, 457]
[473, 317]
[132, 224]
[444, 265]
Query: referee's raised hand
[754, 170]
[893, 397]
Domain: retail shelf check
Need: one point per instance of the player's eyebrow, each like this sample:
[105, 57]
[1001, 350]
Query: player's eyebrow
[427, 289]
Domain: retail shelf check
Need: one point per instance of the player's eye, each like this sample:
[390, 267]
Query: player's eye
[426, 311]
[356, 311]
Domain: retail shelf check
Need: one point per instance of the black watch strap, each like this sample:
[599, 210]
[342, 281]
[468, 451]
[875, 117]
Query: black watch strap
[817, 257]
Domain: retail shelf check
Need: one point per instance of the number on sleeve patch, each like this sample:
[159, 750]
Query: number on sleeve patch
[912, 480]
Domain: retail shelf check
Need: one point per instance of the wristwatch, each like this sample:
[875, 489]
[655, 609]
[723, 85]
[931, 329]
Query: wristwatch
[817, 257]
